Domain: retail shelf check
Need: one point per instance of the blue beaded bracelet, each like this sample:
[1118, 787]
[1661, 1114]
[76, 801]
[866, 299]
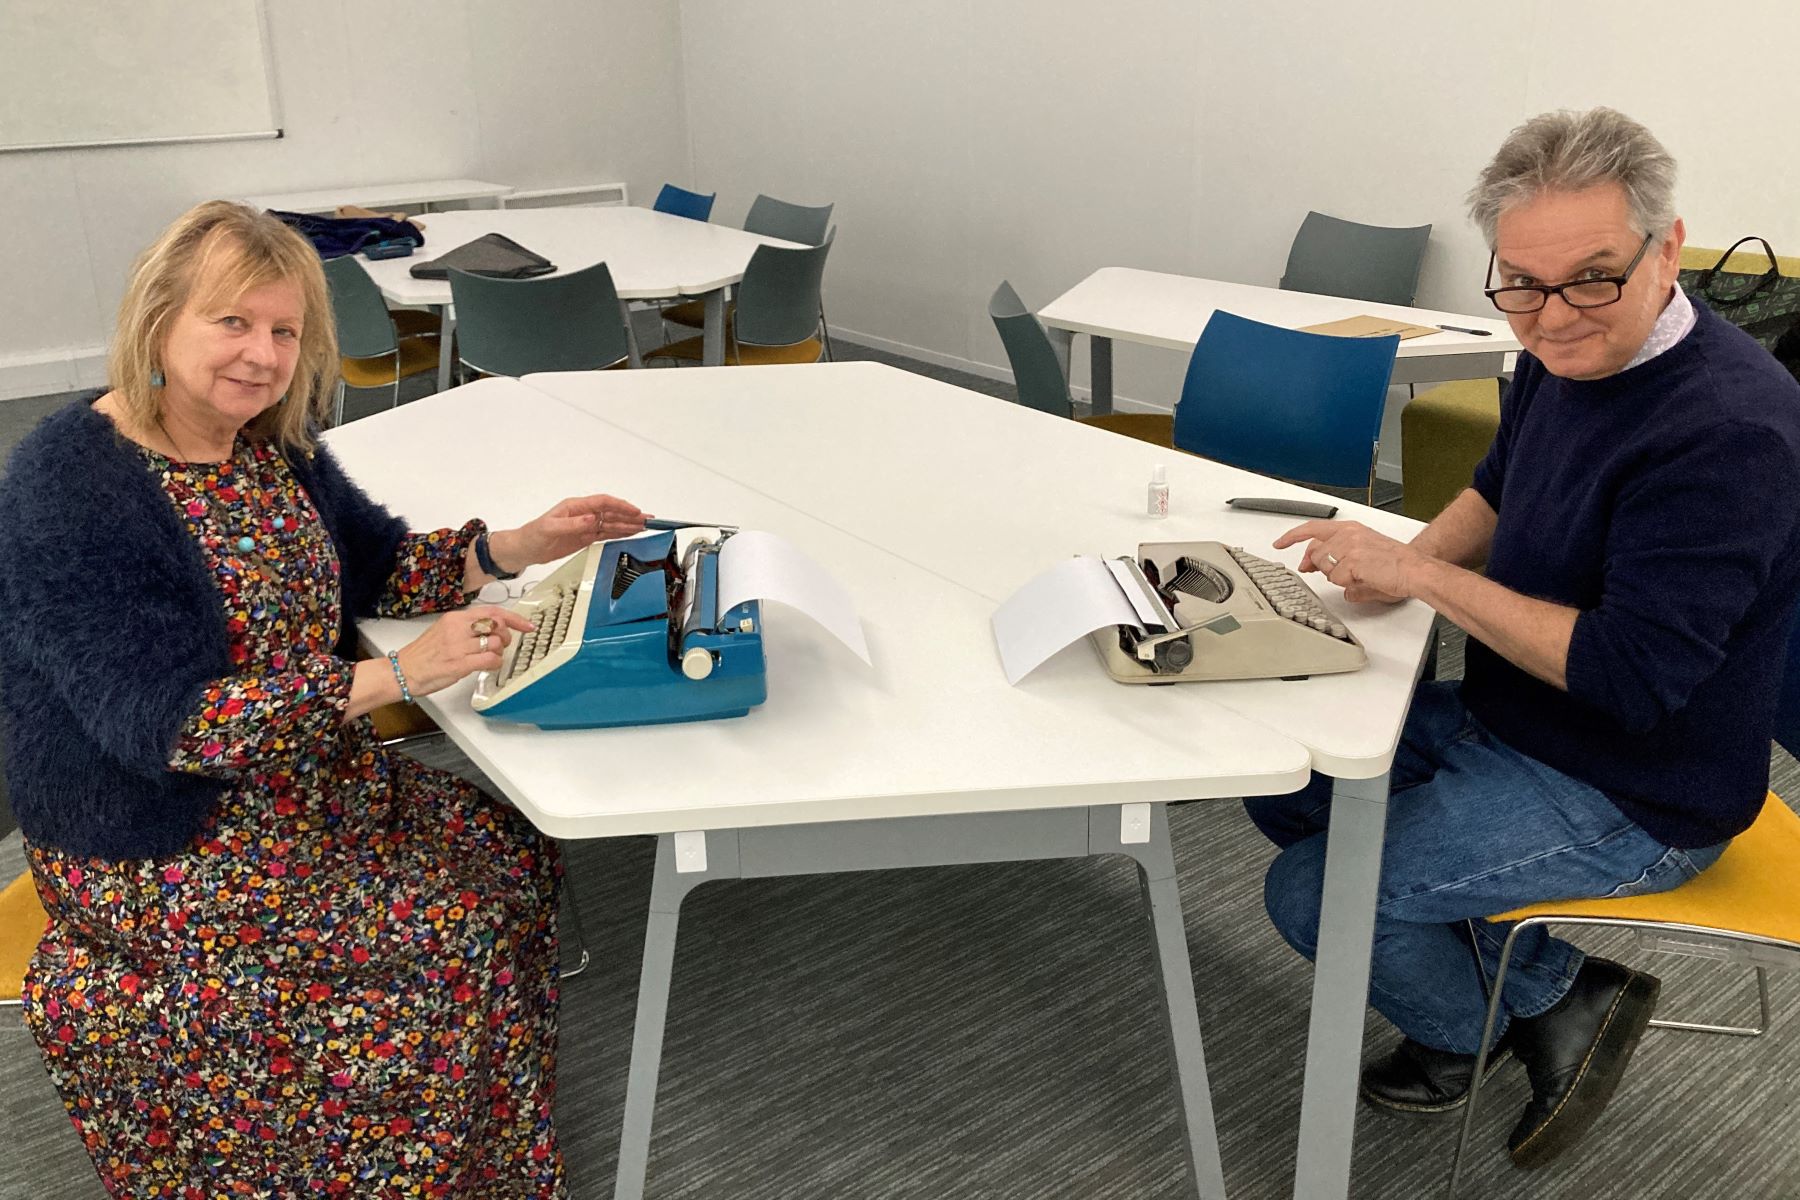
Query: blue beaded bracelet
[394, 662]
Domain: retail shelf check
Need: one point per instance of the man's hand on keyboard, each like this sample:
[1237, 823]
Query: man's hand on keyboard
[1369, 566]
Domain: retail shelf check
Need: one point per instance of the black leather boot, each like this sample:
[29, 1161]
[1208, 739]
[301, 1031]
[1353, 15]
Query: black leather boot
[1416, 1080]
[1575, 1055]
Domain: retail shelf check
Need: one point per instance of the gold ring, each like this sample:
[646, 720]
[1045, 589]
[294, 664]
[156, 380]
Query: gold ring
[481, 626]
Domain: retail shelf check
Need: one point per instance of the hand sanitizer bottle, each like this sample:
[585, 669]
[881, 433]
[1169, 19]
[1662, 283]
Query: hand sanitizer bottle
[1159, 492]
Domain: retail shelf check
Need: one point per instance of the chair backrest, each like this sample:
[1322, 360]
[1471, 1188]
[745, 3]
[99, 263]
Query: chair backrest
[683, 203]
[1282, 402]
[1334, 257]
[1038, 372]
[364, 329]
[513, 327]
[778, 299]
[789, 222]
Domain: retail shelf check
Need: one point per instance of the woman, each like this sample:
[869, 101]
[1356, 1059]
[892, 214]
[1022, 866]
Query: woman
[280, 959]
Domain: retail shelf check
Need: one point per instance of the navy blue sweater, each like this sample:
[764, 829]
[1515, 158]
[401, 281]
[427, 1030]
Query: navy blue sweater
[1663, 503]
[111, 628]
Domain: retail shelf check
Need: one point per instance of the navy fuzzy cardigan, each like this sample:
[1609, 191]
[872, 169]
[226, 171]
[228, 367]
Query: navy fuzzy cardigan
[111, 628]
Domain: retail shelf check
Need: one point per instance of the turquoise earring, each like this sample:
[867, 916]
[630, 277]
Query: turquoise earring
[157, 378]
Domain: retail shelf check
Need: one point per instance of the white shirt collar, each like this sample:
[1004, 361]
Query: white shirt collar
[1673, 324]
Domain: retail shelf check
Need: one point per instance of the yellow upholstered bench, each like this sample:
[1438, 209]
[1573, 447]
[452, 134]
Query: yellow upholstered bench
[1444, 433]
[1744, 908]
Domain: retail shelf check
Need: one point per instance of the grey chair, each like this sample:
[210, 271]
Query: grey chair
[777, 315]
[772, 218]
[374, 350]
[571, 322]
[1041, 371]
[1334, 257]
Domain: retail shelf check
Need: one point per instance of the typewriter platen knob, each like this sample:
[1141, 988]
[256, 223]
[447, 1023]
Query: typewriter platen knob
[696, 662]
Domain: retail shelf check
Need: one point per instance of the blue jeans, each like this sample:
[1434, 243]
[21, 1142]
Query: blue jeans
[1473, 828]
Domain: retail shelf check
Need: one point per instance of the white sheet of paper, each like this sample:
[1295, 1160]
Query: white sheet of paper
[1060, 606]
[1134, 592]
[754, 565]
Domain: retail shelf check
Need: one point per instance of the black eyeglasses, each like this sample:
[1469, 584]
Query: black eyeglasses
[1579, 293]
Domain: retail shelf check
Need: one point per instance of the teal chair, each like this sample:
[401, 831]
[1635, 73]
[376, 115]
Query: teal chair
[777, 316]
[679, 202]
[772, 218]
[375, 346]
[1041, 371]
[571, 322]
[1284, 402]
[1334, 257]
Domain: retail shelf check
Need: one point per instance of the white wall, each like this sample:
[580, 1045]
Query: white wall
[1039, 139]
[535, 93]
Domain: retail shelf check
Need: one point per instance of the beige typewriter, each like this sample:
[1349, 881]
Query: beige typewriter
[1212, 611]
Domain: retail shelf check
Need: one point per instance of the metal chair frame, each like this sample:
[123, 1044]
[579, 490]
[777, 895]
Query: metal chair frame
[1750, 949]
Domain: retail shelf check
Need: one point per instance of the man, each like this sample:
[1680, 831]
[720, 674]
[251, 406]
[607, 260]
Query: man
[1640, 524]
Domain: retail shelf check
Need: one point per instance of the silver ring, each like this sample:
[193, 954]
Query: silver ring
[1331, 562]
[483, 643]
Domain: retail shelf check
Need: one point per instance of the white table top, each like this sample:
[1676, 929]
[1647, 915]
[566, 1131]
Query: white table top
[1170, 311]
[381, 195]
[988, 494]
[651, 255]
[932, 728]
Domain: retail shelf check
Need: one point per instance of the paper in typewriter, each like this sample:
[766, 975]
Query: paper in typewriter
[1055, 609]
[754, 565]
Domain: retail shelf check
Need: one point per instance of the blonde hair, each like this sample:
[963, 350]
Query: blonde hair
[1572, 151]
[214, 253]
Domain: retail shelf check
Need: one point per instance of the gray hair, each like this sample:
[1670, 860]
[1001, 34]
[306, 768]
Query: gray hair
[1570, 151]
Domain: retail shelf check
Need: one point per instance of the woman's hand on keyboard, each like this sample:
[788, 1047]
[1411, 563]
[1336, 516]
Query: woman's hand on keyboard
[458, 644]
[566, 528]
[1371, 567]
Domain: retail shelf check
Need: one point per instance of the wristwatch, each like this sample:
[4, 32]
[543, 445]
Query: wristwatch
[486, 558]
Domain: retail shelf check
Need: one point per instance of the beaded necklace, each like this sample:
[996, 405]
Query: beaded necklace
[255, 496]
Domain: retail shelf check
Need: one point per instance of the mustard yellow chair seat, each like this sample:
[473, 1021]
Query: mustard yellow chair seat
[738, 354]
[22, 921]
[1156, 428]
[692, 313]
[417, 355]
[1746, 905]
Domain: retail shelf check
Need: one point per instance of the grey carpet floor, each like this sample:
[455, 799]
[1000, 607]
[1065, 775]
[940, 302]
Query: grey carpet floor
[995, 1032]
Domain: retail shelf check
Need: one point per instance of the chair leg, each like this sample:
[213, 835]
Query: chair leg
[1481, 1056]
[337, 408]
[574, 910]
[825, 331]
[1757, 1030]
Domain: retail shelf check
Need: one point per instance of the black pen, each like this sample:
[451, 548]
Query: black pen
[1460, 329]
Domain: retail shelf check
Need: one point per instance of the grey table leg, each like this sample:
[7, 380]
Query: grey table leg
[1168, 933]
[446, 345]
[1340, 988]
[1100, 373]
[667, 890]
[712, 349]
[769, 852]
[632, 355]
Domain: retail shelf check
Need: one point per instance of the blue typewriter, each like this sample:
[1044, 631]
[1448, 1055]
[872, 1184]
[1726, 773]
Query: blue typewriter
[629, 632]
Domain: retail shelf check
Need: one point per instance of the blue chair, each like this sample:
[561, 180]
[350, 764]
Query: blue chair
[770, 217]
[1334, 257]
[682, 203]
[1301, 406]
[777, 314]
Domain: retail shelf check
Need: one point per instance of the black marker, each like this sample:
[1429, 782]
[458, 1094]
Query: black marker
[1460, 329]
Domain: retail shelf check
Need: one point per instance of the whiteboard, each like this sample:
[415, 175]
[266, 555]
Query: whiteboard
[127, 72]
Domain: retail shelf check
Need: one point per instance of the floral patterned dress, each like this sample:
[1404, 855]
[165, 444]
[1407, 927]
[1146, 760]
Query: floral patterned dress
[346, 984]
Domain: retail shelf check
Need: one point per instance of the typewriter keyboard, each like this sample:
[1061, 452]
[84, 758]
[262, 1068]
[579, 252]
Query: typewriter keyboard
[552, 620]
[1288, 594]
